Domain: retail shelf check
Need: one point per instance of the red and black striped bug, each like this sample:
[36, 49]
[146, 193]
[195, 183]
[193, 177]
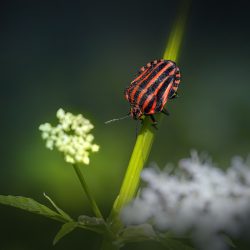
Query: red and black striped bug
[155, 83]
[148, 93]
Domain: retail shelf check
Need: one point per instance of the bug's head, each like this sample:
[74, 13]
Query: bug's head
[135, 112]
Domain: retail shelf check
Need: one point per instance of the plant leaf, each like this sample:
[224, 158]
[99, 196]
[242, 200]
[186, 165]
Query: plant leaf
[228, 241]
[175, 244]
[59, 210]
[92, 223]
[65, 229]
[138, 233]
[30, 205]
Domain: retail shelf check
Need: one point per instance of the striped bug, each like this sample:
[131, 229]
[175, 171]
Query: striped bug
[148, 93]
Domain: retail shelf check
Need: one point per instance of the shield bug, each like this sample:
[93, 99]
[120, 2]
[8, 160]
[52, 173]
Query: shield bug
[154, 84]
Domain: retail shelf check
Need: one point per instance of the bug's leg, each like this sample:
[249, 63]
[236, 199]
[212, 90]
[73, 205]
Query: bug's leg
[154, 121]
[164, 111]
[175, 95]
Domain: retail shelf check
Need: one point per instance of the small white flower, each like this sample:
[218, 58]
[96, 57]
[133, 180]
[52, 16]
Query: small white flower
[60, 113]
[95, 148]
[71, 137]
[86, 159]
[69, 159]
[200, 199]
[49, 144]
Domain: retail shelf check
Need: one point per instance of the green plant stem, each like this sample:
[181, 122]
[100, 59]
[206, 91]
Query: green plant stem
[175, 40]
[131, 180]
[147, 133]
[84, 185]
[146, 136]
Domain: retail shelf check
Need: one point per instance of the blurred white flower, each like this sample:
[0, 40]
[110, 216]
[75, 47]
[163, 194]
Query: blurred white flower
[71, 136]
[200, 199]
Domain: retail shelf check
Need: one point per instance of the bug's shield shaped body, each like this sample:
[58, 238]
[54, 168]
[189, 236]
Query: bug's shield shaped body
[155, 83]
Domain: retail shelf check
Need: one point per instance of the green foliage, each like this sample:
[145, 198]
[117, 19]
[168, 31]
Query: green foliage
[92, 223]
[136, 234]
[175, 244]
[59, 210]
[146, 232]
[32, 206]
[65, 229]
[85, 222]
[229, 241]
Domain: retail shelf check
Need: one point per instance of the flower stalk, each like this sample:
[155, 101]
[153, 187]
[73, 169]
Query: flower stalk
[72, 137]
[84, 185]
[131, 180]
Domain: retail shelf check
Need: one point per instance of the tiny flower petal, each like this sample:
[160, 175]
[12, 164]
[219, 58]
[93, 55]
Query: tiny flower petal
[95, 148]
[49, 144]
[85, 160]
[60, 113]
[46, 127]
[69, 159]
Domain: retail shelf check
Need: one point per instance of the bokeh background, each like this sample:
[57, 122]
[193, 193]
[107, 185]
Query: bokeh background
[80, 55]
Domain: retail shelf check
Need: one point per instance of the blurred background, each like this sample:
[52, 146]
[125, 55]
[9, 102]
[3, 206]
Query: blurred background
[80, 55]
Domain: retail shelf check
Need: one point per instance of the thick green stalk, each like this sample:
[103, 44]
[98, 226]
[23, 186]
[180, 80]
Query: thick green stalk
[92, 202]
[138, 158]
[173, 47]
[146, 136]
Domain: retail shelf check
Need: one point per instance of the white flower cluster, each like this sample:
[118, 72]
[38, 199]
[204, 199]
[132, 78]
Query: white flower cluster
[71, 136]
[200, 199]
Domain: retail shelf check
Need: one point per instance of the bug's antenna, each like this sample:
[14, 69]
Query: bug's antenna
[117, 119]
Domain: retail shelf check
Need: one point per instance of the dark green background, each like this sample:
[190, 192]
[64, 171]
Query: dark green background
[80, 55]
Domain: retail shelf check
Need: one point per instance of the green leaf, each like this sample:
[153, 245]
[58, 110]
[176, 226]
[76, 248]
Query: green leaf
[139, 233]
[136, 234]
[228, 241]
[92, 223]
[60, 211]
[175, 244]
[30, 205]
[65, 229]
